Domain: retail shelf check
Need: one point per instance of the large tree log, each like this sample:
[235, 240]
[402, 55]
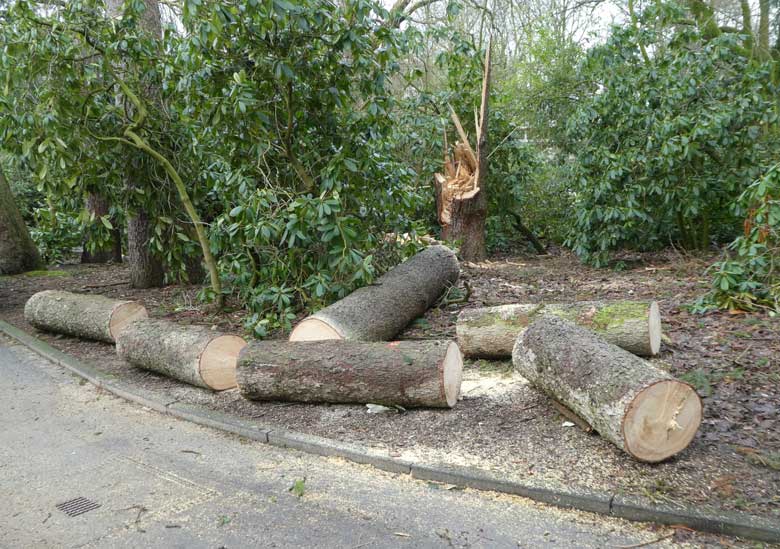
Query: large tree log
[403, 373]
[636, 406]
[82, 315]
[490, 332]
[380, 311]
[192, 354]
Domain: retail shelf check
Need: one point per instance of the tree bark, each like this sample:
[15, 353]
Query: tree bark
[640, 408]
[490, 332]
[98, 206]
[17, 250]
[192, 354]
[402, 373]
[146, 269]
[380, 311]
[82, 315]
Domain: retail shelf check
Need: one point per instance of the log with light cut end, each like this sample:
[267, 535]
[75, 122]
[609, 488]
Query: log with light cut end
[82, 315]
[380, 311]
[633, 404]
[192, 354]
[490, 332]
[402, 373]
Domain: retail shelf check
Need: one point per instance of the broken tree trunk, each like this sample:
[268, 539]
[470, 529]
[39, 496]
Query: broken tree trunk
[640, 408]
[380, 311]
[192, 354]
[402, 373]
[82, 315]
[490, 332]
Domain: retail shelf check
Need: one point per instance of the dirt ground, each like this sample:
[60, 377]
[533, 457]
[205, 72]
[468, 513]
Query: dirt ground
[502, 424]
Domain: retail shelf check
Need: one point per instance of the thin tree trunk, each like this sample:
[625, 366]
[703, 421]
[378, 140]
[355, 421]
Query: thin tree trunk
[17, 250]
[146, 269]
[98, 206]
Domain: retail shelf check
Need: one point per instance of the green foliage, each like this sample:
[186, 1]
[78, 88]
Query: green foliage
[749, 278]
[666, 146]
[55, 233]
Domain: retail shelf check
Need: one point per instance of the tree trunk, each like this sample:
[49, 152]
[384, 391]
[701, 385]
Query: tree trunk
[640, 408]
[98, 206]
[17, 250]
[402, 373]
[490, 332]
[146, 269]
[379, 311]
[82, 315]
[192, 354]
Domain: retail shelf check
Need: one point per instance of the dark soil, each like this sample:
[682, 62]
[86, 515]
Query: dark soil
[502, 424]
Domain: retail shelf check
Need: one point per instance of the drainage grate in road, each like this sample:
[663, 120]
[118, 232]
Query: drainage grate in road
[78, 506]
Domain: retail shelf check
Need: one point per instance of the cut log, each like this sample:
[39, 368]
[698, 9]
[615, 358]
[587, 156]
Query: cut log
[400, 373]
[628, 401]
[380, 311]
[82, 315]
[192, 354]
[490, 332]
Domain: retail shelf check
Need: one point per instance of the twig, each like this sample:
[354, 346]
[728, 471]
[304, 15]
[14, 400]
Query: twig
[651, 542]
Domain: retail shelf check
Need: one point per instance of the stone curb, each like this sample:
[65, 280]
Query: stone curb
[732, 524]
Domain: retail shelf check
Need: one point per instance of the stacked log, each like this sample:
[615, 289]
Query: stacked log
[400, 373]
[193, 354]
[638, 407]
[380, 311]
[82, 315]
[490, 332]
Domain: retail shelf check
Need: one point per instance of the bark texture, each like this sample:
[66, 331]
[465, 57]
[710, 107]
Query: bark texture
[179, 352]
[404, 373]
[490, 332]
[146, 269]
[380, 311]
[81, 315]
[611, 389]
[17, 250]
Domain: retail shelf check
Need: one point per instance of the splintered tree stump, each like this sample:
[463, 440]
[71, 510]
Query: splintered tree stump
[82, 315]
[192, 354]
[402, 373]
[380, 311]
[638, 407]
[490, 332]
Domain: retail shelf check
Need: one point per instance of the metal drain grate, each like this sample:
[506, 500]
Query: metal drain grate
[78, 506]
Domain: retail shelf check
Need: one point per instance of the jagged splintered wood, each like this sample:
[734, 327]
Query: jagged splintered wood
[379, 311]
[490, 332]
[82, 315]
[403, 373]
[638, 407]
[193, 354]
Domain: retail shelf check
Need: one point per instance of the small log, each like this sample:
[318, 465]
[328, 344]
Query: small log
[380, 311]
[82, 315]
[640, 408]
[192, 354]
[490, 332]
[399, 373]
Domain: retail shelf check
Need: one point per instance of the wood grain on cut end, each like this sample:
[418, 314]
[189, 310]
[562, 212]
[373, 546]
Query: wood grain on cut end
[661, 420]
[314, 329]
[452, 374]
[217, 363]
[124, 314]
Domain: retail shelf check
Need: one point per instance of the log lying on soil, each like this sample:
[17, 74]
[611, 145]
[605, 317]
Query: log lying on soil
[636, 406]
[82, 315]
[403, 373]
[192, 354]
[490, 332]
[380, 311]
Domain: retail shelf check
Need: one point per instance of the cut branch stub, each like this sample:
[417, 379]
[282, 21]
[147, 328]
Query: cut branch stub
[82, 315]
[638, 407]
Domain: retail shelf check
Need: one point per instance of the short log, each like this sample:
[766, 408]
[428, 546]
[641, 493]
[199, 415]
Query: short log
[490, 332]
[82, 315]
[404, 373]
[192, 354]
[638, 407]
[380, 311]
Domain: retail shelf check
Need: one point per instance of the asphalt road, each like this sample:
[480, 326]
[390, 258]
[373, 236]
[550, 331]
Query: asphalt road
[163, 482]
